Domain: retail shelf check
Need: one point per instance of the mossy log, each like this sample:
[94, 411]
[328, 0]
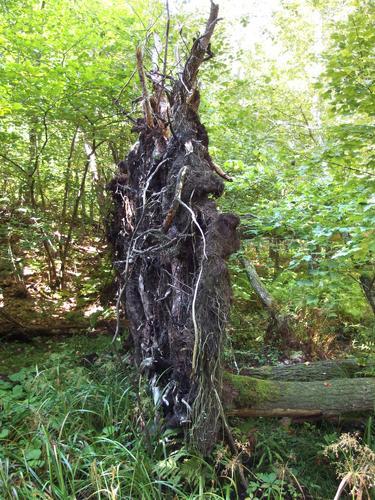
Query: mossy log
[305, 372]
[251, 397]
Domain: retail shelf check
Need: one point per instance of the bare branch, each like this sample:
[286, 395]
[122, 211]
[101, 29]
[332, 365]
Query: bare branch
[166, 39]
[126, 84]
[146, 99]
[199, 50]
[221, 172]
[14, 163]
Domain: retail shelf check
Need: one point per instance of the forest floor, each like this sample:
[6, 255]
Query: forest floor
[79, 425]
[34, 326]
[64, 395]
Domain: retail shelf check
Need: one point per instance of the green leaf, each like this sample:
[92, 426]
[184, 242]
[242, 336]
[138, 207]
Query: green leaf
[4, 433]
[33, 454]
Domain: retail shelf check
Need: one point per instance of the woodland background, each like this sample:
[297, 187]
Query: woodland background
[288, 102]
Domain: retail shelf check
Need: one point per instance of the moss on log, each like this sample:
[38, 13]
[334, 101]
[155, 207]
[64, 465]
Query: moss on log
[251, 397]
[305, 372]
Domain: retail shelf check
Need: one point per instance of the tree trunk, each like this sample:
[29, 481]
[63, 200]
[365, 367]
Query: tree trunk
[305, 372]
[368, 287]
[251, 397]
[66, 246]
[170, 246]
[278, 330]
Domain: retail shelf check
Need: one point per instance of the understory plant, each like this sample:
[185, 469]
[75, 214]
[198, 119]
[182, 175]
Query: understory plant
[355, 466]
[69, 432]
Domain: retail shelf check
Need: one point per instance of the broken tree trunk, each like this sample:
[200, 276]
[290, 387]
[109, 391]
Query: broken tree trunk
[251, 397]
[305, 372]
[278, 330]
[170, 248]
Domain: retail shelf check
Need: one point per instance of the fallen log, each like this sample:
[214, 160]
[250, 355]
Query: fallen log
[26, 334]
[305, 372]
[250, 397]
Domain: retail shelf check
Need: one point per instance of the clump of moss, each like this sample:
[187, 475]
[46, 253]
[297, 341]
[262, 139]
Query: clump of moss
[249, 391]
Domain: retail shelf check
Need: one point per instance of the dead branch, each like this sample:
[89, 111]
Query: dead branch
[221, 172]
[199, 50]
[146, 99]
[166, 40]
[176, 200]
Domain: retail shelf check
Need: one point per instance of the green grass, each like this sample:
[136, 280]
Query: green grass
[294, 451]
[17, 355]
[72, 433]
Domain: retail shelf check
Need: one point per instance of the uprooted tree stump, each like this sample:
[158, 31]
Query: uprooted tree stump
[170, 248]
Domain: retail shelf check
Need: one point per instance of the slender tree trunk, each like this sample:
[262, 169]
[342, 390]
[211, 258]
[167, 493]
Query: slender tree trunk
[73, 220]
[33, 166]
[40, 189]
[17, 269]
[68, 173]
[278, 330]
[97, 183]
[274, 253]
[52, 271]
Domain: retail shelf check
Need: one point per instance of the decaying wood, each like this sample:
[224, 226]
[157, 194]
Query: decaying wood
[218, 169]
[146, 99]
[305, 372]
[170, 246]
[27, 333]
[176, 200]
[199, 51]
[251, 397]
[221, 172]
[278, 330]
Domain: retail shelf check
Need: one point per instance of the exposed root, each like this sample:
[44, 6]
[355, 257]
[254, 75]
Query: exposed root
[170, 247]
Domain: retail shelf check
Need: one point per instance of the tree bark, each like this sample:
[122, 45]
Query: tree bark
[368, 287]
[170, 245]
[278, 330]
[305, 372]
[251, 397]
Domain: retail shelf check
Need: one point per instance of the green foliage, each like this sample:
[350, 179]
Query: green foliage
[350, 71]
[296, 133]
[66, 82]
[287, 459]
[67, 432]
[269, 486]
